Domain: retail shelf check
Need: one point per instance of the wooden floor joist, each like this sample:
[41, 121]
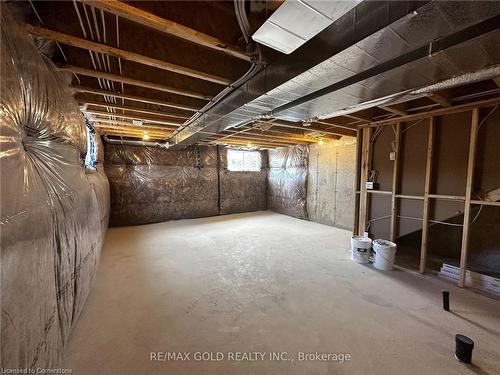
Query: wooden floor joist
[133, 98]
[91, 103]
[127, 123]
[439, 99]
[147, 19]
[132, 81]
[436, 112]
[131, 117]
[126, 55]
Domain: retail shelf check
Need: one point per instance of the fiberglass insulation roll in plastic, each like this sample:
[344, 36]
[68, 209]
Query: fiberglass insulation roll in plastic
[53, 213]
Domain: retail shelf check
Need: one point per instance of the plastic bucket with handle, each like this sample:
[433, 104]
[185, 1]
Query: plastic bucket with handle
[385, 252]
[360, 249]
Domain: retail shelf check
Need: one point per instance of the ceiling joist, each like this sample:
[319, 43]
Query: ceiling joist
[132, 81]
[133, 98]
[126, 55]
[88, 103]
[130, 117]
[168, 128]
[147, 19]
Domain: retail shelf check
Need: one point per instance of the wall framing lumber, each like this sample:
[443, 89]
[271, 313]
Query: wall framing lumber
[468, 193]
[395, 183]
[427, 187]
[365, 166]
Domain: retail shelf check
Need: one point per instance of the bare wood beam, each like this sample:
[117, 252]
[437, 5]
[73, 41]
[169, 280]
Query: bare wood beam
[357, 182]
[427, 187]
[395, 184]
[283, 125]
[130, 117]
[248, 135]
[131, 129]
[436, 112]
[147, 19]
[126, 123]
[365, 166]
[133, 98]
[129, 132]
[439, 98]
[132, 81]
[126, 55]
[358, 116]
[346, 127]
[396, 109]
[468, 193]
[131, 109]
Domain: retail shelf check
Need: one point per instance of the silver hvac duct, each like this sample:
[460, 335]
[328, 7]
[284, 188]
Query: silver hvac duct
[374, 51]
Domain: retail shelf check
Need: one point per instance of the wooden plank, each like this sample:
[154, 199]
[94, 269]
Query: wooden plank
[147, 19]
[133, 98]
[126, 55]
[396, 109]
[379, 192]
[439, 98]
[251, 135]
[283, 125]
[416, 197]
[468, 193]
[357, 182]
[395, 184]
[126, 123]
[88, 103]
[427, 187]
[132, 81]
[131, 117]
[485, 203]
[365, 166]
[447, 197]
[436, 112]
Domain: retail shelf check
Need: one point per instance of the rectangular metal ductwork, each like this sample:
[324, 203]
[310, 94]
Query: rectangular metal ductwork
[368, 37]
[297, 21]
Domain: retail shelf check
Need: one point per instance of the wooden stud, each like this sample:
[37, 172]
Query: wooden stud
[133, 98]
[130, 109]
[427, 187]
[359, 142]
[147, 19]
[126, 55]
[132, 81]
[468, 193]
[395, 184]
[365, 166]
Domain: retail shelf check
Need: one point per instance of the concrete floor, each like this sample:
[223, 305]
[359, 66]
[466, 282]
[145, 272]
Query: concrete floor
[262, 282]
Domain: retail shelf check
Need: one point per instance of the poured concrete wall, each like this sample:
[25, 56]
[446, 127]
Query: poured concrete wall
[330, 190]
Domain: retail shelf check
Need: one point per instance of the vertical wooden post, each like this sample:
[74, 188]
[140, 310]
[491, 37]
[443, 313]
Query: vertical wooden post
[365, 166]
[468, 193]
[356, 183]
[395, 177]
[427, 187]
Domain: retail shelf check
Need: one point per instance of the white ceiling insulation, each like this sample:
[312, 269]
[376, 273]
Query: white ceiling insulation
[297, 21]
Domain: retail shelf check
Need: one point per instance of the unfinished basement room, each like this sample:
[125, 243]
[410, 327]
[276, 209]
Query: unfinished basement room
[250, 187]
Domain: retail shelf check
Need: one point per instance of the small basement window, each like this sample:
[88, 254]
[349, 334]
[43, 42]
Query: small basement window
[240, 160]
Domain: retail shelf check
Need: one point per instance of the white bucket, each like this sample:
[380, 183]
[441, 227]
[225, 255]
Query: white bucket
[360, 249]
[385, 252]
